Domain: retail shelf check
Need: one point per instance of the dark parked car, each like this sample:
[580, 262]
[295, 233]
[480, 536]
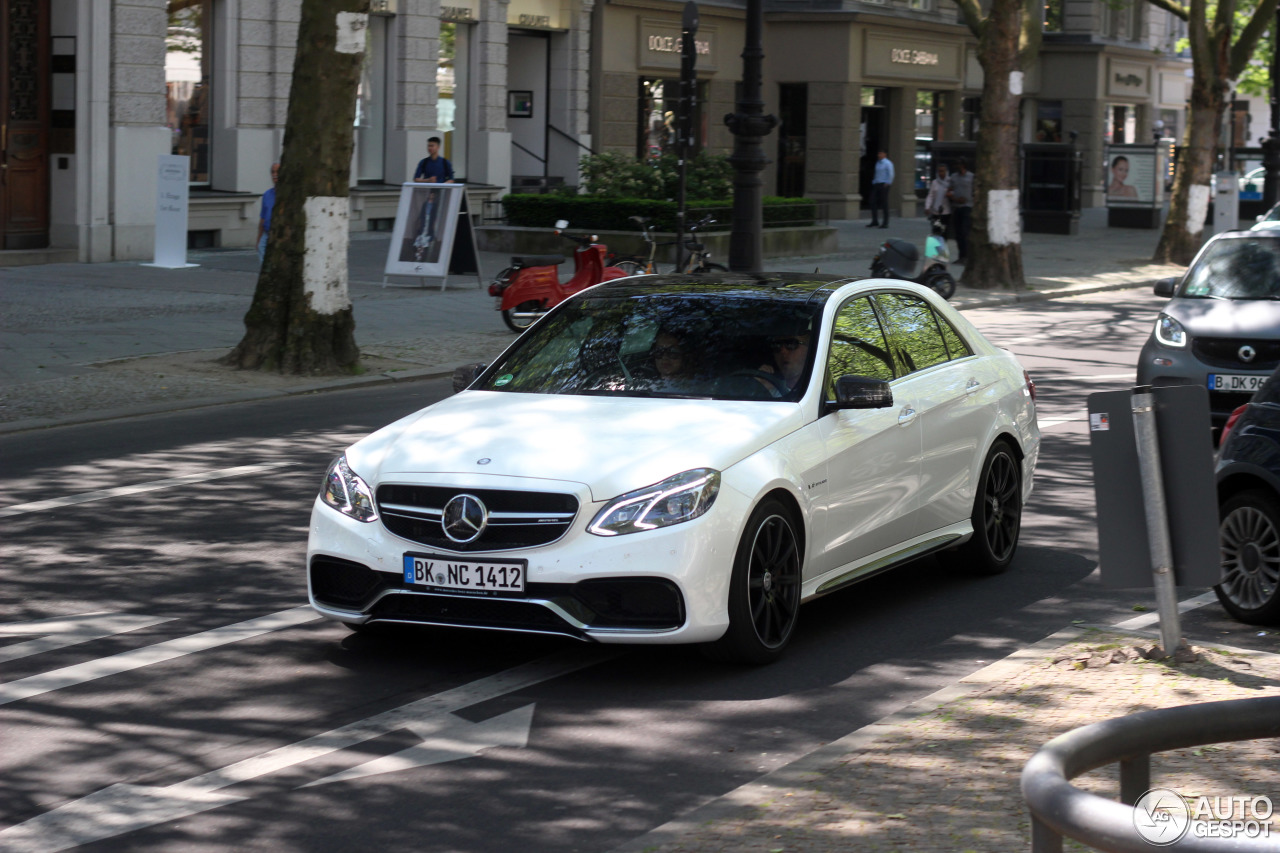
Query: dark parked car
[1221, 328]
[1249, 508]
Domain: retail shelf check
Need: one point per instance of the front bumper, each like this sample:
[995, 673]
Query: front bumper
[1185, 369]
[668, 585]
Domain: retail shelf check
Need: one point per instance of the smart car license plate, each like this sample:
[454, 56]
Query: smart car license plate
[1243, 382]
[466, 576]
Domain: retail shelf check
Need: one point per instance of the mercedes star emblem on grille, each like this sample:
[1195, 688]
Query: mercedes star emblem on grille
[464, 518]
[1247, 353]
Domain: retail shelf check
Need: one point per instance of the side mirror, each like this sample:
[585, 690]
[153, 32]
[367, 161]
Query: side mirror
[1166, 287]
[465, 375]
[861, 392]
[562, 224]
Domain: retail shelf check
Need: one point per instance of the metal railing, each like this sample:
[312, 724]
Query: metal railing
[1060, 809]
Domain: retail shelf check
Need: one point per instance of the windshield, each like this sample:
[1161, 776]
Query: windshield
[676, 342]
[1237, 268]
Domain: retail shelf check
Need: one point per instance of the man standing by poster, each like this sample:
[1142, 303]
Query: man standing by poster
[881, 180]
[433, 169]
[264, 216]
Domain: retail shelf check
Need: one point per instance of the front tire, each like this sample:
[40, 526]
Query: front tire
[522, 316]
[997, 513]
[764, 590]
[629, 266]
[1250, 540]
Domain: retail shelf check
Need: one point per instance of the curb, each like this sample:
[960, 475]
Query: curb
[824, 759]
[440, 371]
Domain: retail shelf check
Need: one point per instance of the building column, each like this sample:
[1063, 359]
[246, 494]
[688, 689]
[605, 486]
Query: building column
[902, 150]
[414, 47]
[490, 153]
[833, 147]
[567, 90]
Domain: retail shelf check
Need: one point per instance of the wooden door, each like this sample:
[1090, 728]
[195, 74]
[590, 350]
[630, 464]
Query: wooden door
[24, 124]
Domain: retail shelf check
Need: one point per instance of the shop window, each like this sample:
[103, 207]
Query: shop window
[793, 110]
[920, 5]
[1170, 128]
[875, 96]
[1049, 121]
[1053, 16]
[659, 108]
[1121, 124]
[451, 83]
[970, 117]
[928, 124]
[371, 102]
[188, 79]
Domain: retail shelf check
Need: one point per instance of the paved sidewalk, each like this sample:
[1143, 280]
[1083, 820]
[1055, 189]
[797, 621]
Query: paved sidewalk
[944, 773]
[81, 342]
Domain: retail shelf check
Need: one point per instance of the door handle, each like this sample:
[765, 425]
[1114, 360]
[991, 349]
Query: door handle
[971, 386]
[906, 416]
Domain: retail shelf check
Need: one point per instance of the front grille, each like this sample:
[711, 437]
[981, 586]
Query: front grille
[516, 519]
[344, 584]
[511, 614]
[1225, 352]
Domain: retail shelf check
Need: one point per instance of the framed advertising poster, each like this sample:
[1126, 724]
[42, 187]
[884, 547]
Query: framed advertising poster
[1131, 176]
[426, 222]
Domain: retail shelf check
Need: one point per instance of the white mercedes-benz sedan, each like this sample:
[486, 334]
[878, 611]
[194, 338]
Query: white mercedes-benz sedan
[676, 459]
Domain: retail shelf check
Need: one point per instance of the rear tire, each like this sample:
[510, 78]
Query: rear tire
[709, 267]
[1250, 539]
[941, 283]
[997, 513]
[764, 590]
[519, 324]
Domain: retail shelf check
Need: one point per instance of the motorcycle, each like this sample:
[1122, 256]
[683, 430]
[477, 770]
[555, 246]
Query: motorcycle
[898, 259]
[531, 286]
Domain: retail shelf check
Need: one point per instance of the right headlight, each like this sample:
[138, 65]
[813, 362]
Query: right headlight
[347, 492]
[676, 499]
[1170, 332]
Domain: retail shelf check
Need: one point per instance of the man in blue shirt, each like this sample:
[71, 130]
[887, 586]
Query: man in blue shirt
[881, 179]
[264, 216]
[433, 169]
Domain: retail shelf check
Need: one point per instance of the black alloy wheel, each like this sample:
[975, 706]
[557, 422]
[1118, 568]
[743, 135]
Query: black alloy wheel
[764, 592]
[997, 513]
[1250, 541]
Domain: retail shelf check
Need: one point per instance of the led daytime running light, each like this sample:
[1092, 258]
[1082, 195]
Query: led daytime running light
[1170, 332]
[346, 492]
[631, 513]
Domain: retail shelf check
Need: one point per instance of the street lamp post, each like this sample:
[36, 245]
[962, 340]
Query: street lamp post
[749, 125]
[1271, 145]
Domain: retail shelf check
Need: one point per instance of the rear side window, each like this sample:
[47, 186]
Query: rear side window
[956, 347]
[913, 328]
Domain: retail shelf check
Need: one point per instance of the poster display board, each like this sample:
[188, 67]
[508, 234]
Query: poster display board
[172, 197]
[1133, 177]
[426, 222]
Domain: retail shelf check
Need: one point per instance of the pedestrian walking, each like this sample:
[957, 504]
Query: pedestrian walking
[264, 215]
[881, 180]
[936, 203]
[961, 197]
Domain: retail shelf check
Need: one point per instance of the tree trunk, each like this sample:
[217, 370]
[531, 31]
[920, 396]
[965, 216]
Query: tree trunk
[995, 243]
[301, 320]
[1183, 229]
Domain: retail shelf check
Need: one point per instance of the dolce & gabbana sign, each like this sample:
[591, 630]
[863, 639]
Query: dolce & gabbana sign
[904, 55]
[659, 46]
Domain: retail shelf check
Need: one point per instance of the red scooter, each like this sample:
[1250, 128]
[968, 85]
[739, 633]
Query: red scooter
[531, 286]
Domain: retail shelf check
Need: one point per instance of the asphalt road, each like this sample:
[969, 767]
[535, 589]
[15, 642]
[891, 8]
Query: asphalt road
[162, 688]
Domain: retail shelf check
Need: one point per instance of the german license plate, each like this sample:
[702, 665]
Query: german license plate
[1243, 382]
[466, 576]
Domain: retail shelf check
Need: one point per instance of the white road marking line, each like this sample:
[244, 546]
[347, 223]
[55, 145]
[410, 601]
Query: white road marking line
[139, 488]
[1139, 622]
[1050, 423]
[64, 631]
[1130, 375]
[25, 688]
[123, 808]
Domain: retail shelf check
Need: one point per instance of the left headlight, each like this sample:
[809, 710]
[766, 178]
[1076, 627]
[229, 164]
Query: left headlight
[346, 492]
[1170, 332]
[683, 497]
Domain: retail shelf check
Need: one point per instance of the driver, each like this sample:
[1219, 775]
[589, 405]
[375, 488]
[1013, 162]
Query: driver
[790, 354]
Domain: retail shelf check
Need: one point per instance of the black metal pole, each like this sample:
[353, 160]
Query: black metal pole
[749, 126]
[1271, 145]
[684, 123]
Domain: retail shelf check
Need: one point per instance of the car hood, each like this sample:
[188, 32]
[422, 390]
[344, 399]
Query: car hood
[611, 444]
[1227, 318]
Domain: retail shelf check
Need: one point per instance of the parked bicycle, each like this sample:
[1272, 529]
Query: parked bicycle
[697, 262]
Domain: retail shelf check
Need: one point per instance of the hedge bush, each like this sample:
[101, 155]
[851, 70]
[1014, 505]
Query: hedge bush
[710, 177]
[613, 214]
